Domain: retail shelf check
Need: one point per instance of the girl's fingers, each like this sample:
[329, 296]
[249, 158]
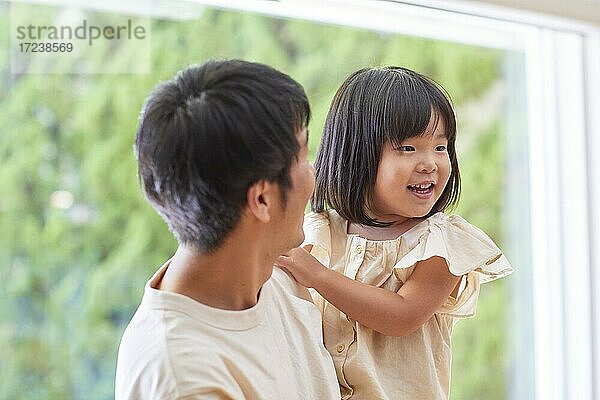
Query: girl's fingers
[284, 260]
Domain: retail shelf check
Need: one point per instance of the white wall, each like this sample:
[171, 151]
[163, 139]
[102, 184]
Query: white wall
[587, 11]
[584, 10]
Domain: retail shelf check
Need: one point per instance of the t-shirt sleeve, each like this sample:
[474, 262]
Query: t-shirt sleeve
[317, 233]
[468, 251]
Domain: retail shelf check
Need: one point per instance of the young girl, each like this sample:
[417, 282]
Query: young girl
[392, 272]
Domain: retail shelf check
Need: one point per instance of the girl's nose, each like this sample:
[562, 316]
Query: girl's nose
[427, 165]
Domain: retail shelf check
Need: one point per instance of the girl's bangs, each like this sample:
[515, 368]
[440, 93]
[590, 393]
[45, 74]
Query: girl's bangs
[408, 115]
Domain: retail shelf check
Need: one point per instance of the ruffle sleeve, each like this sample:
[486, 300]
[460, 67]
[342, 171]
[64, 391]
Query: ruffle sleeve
[317, 233]
[468, 251]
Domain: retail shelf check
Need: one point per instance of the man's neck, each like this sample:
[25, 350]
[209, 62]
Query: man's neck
[229, 278]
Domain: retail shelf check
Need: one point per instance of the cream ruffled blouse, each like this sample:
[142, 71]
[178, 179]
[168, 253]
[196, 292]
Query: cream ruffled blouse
[370, 365]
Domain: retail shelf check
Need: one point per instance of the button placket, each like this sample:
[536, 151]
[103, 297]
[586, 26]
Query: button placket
[357, 255]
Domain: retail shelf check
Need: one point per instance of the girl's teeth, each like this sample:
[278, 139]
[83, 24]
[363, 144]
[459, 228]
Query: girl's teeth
[420, 186]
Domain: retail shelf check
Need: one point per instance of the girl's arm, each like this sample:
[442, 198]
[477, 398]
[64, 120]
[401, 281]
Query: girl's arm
[390, 313]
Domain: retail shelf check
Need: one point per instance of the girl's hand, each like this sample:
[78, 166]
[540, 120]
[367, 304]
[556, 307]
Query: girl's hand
[302, 265]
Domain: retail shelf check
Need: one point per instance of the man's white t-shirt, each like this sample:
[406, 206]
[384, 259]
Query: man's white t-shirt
[177, 348]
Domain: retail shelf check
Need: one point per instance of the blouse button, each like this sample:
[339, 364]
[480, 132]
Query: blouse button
[340, 348]
[359, 249]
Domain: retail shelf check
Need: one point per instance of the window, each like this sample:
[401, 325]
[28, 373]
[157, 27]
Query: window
[76, 229]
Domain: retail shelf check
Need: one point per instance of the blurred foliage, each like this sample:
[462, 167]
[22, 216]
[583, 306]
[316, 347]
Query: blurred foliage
[73, 277]
[479, 345]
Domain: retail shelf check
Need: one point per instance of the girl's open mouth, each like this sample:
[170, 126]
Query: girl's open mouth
[422, 191]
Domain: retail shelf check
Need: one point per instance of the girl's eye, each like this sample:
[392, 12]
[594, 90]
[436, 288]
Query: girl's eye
[406, 148]
[440, 148]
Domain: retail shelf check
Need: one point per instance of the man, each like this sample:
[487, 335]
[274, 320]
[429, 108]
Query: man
[222, 157]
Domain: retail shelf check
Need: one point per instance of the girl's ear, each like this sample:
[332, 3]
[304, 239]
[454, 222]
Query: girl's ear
[260, 199]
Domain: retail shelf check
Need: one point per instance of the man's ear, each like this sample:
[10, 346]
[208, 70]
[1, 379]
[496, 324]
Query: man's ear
[261, 198]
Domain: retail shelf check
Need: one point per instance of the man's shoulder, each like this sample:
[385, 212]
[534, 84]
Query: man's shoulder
[155, 362]
[285, 285]
[205, 372]
[159, 336]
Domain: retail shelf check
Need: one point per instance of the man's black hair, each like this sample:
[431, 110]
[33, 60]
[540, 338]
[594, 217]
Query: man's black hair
[210, 133]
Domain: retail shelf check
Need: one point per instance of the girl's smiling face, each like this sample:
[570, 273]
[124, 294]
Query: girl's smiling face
[411, 177]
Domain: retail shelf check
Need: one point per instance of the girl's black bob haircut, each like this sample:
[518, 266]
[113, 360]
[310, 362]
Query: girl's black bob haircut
[372, 107]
